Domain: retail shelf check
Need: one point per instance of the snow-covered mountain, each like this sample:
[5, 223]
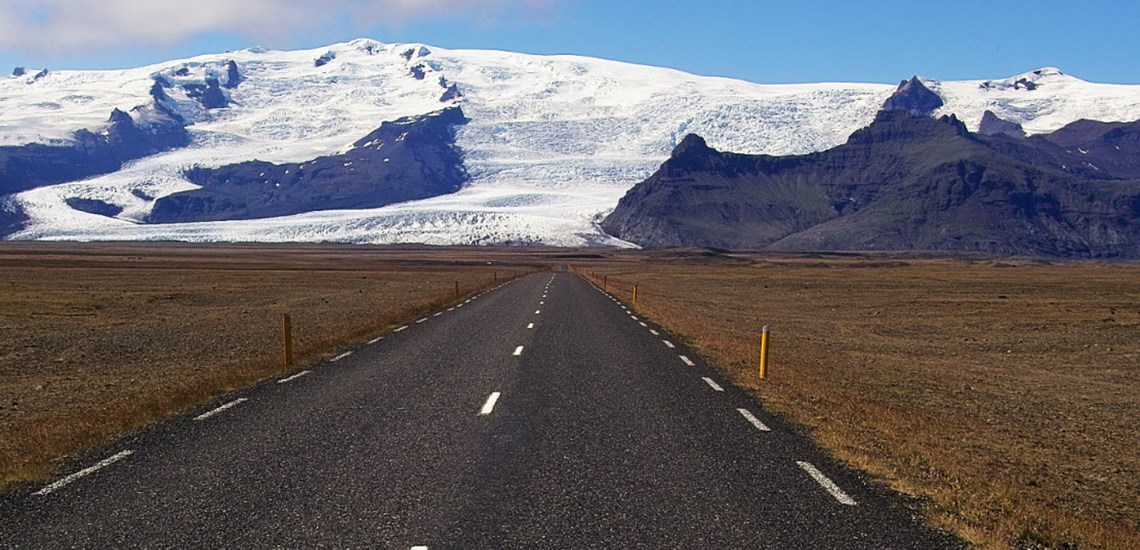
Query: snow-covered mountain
[550, 146]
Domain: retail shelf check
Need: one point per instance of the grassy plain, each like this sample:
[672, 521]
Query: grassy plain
[1003, 395]
[99, 339]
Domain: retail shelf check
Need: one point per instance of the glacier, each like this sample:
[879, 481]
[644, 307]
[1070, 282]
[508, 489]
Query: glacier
[552, 144]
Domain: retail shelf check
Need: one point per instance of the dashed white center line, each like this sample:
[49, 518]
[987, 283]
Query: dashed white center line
[438, 314]
[419, 548]
[642, 323]
[405, 327]
[634, 317]
[668, 344]
[374, 340]
[747, 414]
[537, 311]
[450, 309]
[826, 483]
[687, 361]
[530, 326]
[294, 377]
[460, 305]
[542, 303]
[712, 384]
[339, 357]
[418, 321]
[518, 351]
[489, 405]
[654, 332]
[84, 472]
[233, 403]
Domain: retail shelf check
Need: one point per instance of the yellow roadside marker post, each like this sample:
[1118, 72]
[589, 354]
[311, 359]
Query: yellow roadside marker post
[287, 336]
[764, 351]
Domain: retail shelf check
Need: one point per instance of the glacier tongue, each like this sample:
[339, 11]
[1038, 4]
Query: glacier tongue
[553, 141]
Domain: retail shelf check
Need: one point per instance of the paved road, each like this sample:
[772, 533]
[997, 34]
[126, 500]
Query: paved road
[541, 414]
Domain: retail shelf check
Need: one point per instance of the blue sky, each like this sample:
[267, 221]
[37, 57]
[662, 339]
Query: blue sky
[761, 41]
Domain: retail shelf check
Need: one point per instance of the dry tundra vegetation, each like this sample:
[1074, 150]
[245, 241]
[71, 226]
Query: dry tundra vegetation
[96, 340]
[1001, 395]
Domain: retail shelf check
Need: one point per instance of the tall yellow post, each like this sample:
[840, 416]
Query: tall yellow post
[635, 295]
[605, 282]
[287, 336]
[764, 351]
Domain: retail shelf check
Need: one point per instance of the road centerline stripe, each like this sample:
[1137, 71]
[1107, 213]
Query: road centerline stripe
[712, 384]
[518, 351]
[685, 359]
[405, 327]
[668, 344]
[654, 332]
[339, 357]
[294, 377]
[826, 483]
[84, 472]
[229, 405]
[490, 404]
[530, 326]
[751, 418]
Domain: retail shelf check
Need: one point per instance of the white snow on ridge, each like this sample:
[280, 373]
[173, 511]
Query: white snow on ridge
[553, 142]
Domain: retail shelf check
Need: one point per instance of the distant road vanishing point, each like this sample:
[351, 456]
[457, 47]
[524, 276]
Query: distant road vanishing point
[540, 414]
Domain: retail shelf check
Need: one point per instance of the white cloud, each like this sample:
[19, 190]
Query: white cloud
[58, 25]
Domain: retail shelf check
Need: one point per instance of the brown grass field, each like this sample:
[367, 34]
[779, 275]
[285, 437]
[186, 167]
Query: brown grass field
[1002, 395]
[99, 339]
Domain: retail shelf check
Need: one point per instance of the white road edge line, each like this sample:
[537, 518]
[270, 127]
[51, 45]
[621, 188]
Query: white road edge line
[294, 377]
[418, 321]
[489, 405]
[374, 340]
[530, 326]
[437, 314]
[751, 418]
[685, 359]
[233, 403]
[518, 351]
[84, 472]
[826, 483]
[642, 323]
[669, 344]
[712, 384]
[654, 332]
[339, 357]
[405, 327]
[537, 311]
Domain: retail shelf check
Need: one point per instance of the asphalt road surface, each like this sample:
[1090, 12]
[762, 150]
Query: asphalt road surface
[541, 414]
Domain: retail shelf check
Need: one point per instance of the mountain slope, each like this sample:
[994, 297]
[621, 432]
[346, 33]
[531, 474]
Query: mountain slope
[904, 182]
[551, 144]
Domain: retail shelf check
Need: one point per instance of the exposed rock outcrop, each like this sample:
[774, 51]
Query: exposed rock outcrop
[912, 96]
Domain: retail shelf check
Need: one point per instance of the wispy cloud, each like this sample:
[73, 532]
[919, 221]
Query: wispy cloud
[60, 25]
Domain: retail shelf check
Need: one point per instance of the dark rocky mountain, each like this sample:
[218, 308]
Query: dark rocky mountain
[905, 182]
[407, 159]
[912, 96]
[991, 125]
[156, 129]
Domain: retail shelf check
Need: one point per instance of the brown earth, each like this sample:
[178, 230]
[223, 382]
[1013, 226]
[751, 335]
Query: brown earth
[99, 339]
[1003, 395]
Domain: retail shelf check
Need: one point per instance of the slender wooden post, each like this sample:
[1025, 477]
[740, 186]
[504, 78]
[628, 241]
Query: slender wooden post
[635, 295]
[764, 351]
[495, 276]
[605, 282]
[456, 289]
[287, 336]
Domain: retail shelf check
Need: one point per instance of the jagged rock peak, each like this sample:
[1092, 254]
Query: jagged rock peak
[119, 116]
[913, 97]
[992, 125]
[692, 144]
[19, 71]
[233, 76]
[324, 59]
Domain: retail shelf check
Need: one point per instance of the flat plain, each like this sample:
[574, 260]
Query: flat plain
[100, 339]
[1001, 395]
